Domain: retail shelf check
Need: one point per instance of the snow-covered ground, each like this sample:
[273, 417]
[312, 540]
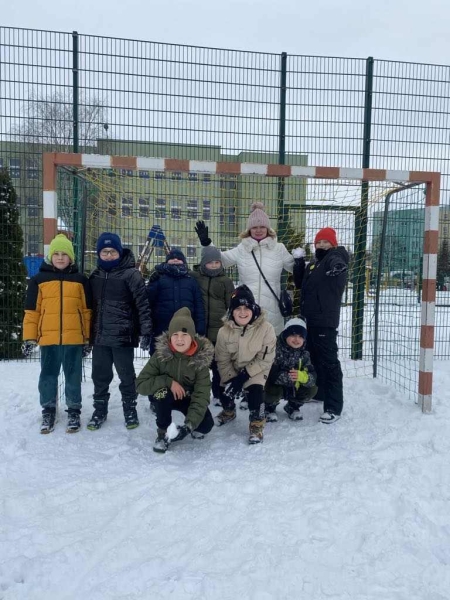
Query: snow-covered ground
[358, 510]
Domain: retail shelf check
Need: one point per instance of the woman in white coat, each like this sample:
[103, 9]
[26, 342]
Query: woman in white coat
[259, 241]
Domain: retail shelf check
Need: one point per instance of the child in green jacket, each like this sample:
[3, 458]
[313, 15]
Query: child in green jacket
[177, 375]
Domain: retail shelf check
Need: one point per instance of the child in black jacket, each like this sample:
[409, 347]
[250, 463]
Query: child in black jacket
[292, 375]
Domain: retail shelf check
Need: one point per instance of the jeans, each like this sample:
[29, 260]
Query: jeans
[52, 357]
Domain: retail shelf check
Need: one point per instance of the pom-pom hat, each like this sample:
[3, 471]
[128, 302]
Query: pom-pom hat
[257, 217]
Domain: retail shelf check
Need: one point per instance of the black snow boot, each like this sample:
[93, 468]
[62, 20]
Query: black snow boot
[130, 414]
[98, 418]
[73, 420]
[48, 420]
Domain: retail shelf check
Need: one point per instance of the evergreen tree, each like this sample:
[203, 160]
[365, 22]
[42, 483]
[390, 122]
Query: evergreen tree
[294, 239]
[12, 271]
[443, 263]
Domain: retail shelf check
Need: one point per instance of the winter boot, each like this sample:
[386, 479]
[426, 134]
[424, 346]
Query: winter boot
[225, 416]
[98, 418]
[73, 420]
[293, 411]
[130, 414]
[256, 429]
[48, 420]
[197, 435]
[162, 442]
[271, 413]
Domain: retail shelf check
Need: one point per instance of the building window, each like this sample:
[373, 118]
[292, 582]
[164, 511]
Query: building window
[32, 207]
[192, 176]
[160, 175]
[112, 209]
[144, 174]
[144, 207]
[14, 168]
[175, 209]
[176, 175]
[32, 169]
[228, 183]
[160, 251]
[1, 163]
[191, 248]
[192, 208]
[126, 172]
[206, 178]
[127, 206]
[206, 215]
[160, 208]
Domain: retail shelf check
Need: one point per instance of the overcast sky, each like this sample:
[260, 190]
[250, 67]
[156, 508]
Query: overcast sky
[385, 29]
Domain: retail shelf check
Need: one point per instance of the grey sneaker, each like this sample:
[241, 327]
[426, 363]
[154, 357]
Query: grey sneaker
[329, 417]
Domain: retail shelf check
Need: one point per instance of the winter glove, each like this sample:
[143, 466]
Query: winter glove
[183, 431]
[145, 342]
[28, 347]
[87, 349]
[154, 277]
[298, 253]
[302, 378]
[234, 387]
[337, 270]
[202, 231]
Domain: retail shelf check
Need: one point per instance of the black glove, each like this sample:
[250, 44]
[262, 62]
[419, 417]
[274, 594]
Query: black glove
[28, 348]
[154, 277]
[337, 270]
[145, 342]
[87, 349]
[202, 231]
[183, 431]
[234, 387]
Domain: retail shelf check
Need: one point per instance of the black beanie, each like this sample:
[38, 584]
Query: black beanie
[243, 296]
[176, 253]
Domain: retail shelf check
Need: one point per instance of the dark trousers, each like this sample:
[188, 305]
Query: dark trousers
[103, 359]
[323, 349]
[273, 393]
[215, 383]
[52, 357]
[255, 398]
[165, 406]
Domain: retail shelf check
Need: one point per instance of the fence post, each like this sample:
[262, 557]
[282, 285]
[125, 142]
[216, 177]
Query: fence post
[77, 217]
[359, 262]
[281, 208]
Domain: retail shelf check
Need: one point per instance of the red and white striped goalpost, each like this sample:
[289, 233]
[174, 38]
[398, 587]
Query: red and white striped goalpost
[51, 161]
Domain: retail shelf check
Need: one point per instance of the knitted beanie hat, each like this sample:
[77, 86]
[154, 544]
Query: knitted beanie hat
[295, 326]
[210, 253]
[242, 296]
[257, 217]
[109, 240]
[328, 234]
[182, 321]
[61, 244]
[176, 253]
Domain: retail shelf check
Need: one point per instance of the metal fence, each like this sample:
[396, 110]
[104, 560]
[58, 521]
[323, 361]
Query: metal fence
[74, 92]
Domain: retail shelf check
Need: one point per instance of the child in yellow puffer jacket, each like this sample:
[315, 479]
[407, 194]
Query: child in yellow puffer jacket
[58, 312]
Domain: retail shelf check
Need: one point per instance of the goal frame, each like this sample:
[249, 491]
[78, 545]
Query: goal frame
[431, 180]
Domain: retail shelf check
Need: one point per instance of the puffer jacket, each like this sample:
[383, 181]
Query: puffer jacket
[272, 257]
[216, 293]
[321, 294]
[286, 359]
[58, 307]
[121, 309]
[168, 293]
[191, 372]
[251, 347]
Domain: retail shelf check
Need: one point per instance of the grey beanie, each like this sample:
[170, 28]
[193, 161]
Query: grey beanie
[209, 254]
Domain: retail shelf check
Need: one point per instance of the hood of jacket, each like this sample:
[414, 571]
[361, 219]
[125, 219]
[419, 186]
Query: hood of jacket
[202, 358]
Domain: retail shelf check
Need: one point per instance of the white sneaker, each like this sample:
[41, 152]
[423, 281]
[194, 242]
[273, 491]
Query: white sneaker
[296, 415]
[328, 417]
[197, 435]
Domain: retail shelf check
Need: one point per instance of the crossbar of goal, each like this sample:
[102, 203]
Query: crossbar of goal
[431, 180]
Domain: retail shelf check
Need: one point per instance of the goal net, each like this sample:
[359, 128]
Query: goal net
[387, 220]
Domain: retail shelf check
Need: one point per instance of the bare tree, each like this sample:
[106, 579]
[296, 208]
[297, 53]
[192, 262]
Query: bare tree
[48, 120]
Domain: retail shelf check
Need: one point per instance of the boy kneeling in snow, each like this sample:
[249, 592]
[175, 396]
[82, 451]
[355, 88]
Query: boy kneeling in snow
[177, 375]
[292, 375]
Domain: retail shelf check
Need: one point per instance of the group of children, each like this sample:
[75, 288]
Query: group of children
[192, 322]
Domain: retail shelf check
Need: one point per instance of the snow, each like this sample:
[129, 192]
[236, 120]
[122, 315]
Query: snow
[358, 510]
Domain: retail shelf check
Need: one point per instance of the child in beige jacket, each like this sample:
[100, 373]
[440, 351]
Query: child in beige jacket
[245, 350]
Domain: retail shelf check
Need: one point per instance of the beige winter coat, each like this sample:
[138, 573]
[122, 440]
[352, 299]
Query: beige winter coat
[251, 347]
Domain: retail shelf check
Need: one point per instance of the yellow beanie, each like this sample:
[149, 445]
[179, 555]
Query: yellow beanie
[61, 244]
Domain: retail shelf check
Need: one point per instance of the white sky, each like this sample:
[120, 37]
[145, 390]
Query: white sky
[386, 29]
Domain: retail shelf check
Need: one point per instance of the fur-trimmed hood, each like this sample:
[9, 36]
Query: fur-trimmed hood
[202, 358]
[249, 244]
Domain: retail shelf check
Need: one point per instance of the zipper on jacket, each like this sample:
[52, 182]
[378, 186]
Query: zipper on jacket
[61, 312]
[265, 352]
[209, 306]
[100, 327]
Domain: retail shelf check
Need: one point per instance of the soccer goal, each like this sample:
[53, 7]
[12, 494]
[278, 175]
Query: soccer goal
[387, 220]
